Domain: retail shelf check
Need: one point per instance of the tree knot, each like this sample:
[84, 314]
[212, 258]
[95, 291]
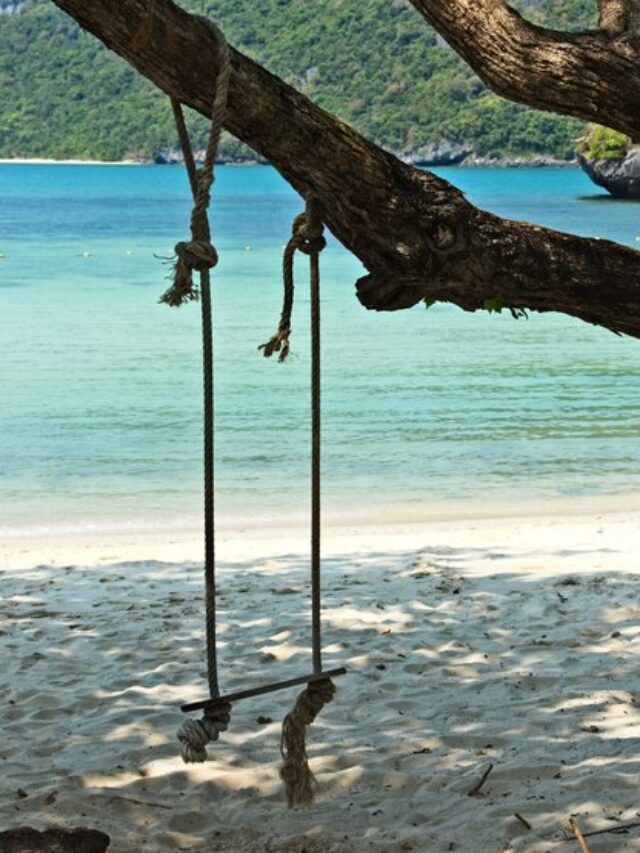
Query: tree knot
[444, 236]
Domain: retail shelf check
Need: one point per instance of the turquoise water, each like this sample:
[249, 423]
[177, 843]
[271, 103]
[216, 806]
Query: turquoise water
[100, 419]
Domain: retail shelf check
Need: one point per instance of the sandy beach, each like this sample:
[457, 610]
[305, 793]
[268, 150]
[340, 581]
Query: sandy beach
[508, 643]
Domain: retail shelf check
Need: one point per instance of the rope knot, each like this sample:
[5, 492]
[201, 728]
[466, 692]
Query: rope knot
[307, 236]
[295, 772]
[308, 233]
[194, 735]
[197, 255]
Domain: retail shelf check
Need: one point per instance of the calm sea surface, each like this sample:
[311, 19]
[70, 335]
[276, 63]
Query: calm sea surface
[100, 385]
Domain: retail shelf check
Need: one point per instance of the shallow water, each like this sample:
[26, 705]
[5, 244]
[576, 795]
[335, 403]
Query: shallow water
[100, 385]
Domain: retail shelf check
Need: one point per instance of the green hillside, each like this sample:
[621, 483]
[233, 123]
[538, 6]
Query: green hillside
[372, 62]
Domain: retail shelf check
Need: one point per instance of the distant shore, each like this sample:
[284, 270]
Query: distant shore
[472, 162]
[43, 161]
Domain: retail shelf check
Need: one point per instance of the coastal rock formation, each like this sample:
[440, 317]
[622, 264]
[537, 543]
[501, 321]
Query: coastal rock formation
[443, 153]
[538, 161]
[619, 176]
[611, 160]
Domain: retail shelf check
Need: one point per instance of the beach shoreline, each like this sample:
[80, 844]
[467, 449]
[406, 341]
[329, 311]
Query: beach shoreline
[181, 539]
[471, 163]
[44, 161]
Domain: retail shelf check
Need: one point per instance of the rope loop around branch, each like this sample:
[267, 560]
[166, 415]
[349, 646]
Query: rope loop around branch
[308, 233]
[307, 236]
[199, 254]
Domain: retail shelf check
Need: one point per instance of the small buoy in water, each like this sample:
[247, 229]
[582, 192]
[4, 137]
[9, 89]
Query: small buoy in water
[129, 252]
[2, 255]
[248, 248]
[86, 254]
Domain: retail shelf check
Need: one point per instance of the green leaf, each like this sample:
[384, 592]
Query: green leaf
[494, 304]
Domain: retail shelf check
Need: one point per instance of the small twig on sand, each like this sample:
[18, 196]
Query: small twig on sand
[523, 820]
[620, 827]
[579, 836]
[476, 788]
[139, 802]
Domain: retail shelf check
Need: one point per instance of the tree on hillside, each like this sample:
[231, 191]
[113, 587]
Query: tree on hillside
[417, 235]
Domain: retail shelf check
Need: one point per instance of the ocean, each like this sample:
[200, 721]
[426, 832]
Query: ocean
[101, 388]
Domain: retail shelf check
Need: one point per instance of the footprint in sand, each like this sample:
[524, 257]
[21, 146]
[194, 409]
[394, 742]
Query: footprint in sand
[188, 822]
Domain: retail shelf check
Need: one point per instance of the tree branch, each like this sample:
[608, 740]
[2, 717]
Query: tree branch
[594, 75]
[415, 233]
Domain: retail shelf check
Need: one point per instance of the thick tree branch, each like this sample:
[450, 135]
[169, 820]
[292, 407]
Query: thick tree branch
[415, 233]
[594, 75]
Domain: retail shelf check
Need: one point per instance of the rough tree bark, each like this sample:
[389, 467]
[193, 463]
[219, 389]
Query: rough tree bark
[593, 75]
[619, 16]
[416, 234]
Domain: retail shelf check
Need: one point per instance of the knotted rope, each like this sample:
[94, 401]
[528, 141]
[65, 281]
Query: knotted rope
[295, 772]
[306, 237]
[199, 254]
[194, 735]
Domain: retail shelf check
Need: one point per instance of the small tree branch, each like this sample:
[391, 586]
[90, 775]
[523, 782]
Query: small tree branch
[417, 235]
[592, 75]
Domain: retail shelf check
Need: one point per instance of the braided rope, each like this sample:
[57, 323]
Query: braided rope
[307, 237]
[295, 772]
[194, 735]
[199, 254]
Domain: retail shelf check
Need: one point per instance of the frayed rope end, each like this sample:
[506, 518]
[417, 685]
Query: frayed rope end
[295, 772]
[197, 255]
[278, 343]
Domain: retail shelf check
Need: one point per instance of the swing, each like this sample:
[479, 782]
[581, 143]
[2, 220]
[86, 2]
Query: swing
[199, 255]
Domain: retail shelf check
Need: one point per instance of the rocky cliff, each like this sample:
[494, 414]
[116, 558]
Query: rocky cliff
[620, 176]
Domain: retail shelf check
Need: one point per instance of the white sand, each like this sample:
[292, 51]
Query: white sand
[512, 642]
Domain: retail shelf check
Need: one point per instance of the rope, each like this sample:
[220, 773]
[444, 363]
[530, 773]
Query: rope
[314, 226]
[199, 254]
[298, 779]
[307, 237]
[194, 735]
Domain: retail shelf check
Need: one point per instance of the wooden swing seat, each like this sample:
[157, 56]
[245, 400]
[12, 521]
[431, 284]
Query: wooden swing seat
[265, 688]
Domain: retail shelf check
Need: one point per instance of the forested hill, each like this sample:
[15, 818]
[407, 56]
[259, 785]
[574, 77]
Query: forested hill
[372, 62]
